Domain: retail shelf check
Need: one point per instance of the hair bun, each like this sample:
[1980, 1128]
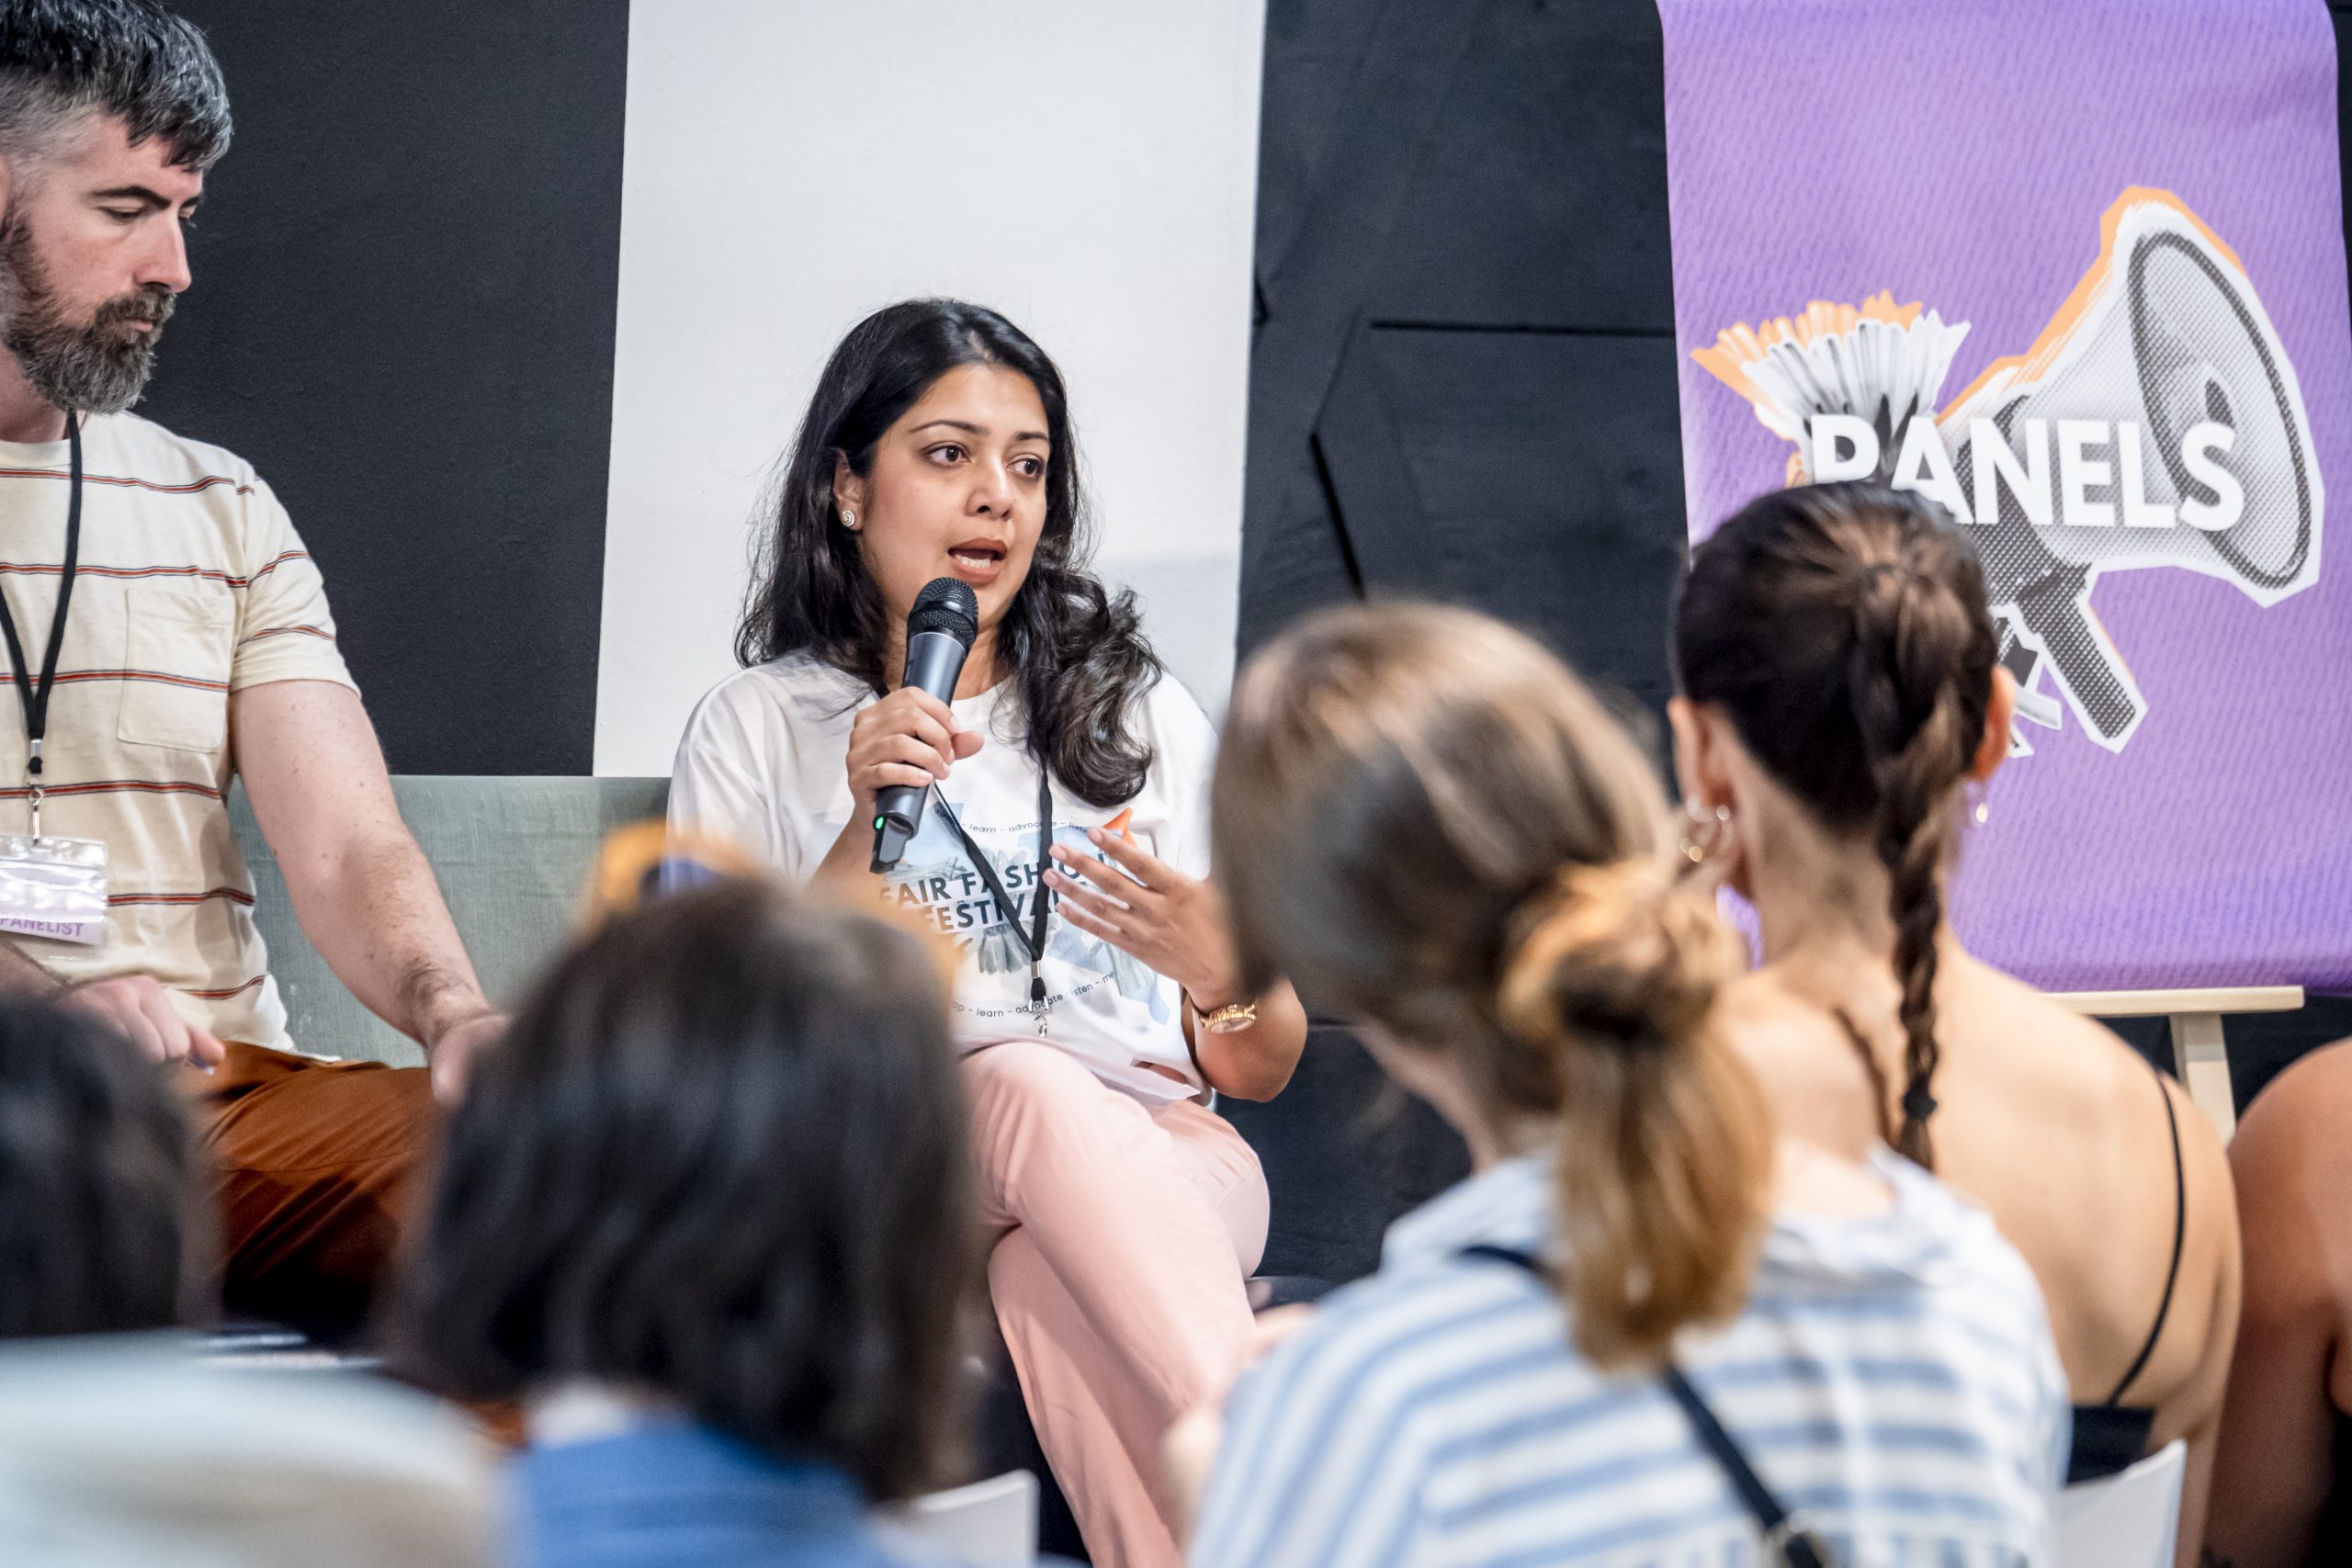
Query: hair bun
[1616, 953]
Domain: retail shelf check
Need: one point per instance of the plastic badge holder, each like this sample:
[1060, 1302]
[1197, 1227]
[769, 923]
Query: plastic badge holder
[53, 887]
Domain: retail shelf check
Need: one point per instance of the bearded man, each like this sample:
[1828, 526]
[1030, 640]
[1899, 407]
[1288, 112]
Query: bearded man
[166, 632]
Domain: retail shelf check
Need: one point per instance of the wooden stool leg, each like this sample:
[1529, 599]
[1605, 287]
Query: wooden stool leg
[2202, 1058]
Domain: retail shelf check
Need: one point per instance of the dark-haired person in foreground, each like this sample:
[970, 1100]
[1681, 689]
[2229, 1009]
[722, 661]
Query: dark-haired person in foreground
[118, 1443]
[197, 647]
[1838, 694]
[1127, 1215]
[2282, 1480]
[1518, 954]
[100, 1204]
[708, 1210]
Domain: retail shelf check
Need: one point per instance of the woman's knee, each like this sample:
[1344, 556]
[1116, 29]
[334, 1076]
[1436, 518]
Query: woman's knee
[1023, 1075]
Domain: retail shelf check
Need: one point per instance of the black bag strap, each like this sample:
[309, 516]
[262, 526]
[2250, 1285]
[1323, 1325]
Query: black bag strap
[1787, 1535]
[1784, 1532]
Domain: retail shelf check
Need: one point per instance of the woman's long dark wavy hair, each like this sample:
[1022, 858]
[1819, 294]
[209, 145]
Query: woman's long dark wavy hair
[1076, 653]
[1844, 629]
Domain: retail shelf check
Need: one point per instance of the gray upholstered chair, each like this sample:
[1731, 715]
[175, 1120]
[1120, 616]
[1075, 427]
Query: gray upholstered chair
[512, 856]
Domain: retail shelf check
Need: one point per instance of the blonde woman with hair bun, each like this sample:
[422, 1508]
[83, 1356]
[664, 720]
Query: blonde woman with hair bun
[1437, 832]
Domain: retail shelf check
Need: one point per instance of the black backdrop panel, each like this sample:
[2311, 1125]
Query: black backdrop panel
[403, 315]
[1547, 472]
[1539, 197]
[1462, 387]
[1491, 168]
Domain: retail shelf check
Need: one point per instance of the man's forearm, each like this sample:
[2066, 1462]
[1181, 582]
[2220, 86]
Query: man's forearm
[360, 885]
[377, 917]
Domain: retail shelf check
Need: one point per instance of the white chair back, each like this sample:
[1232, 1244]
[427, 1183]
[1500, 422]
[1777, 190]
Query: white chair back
[990, 1524]
[2127, 1520]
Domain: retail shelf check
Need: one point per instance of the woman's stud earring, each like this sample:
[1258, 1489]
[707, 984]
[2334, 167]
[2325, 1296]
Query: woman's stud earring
[849, 520]
[1984, 812]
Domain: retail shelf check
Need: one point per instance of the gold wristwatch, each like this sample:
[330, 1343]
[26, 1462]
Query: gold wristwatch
[1230, 1019]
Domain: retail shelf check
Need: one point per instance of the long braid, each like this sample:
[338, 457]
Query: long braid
[1900, 680]
[1912, 830]
[1843, 628]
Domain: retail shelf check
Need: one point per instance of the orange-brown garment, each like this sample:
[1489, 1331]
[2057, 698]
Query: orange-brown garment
[318, 1168]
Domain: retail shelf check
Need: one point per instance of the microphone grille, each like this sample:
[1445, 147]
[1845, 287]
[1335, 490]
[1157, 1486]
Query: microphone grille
[945, 604]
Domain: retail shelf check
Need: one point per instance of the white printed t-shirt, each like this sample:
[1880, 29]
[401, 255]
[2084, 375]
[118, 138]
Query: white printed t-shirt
[763, 766]
[192, 586]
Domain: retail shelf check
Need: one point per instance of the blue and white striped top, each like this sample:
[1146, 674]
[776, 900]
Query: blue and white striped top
[1892, 1376]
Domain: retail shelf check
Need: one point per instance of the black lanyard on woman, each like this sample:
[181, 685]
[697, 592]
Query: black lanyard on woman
[1788, 1533]
[35, 697]
[1033, 940]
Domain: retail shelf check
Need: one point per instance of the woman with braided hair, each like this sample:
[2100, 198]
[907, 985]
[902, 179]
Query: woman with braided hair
[1643, 1300]
[1839, 693]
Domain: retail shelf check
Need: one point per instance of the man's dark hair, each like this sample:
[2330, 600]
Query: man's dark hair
[130, 59]
[721, 1158]
[98, 1189]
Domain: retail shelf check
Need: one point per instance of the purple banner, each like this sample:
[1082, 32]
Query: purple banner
[2099, 247]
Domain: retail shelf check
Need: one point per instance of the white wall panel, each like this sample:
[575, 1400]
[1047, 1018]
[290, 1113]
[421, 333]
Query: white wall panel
[1086, 166]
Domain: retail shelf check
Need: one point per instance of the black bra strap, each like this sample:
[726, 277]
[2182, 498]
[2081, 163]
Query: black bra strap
[1787, 1536]
[2179, 1235]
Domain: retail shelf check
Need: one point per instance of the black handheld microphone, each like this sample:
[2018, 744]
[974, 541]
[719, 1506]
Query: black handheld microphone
[940, 631]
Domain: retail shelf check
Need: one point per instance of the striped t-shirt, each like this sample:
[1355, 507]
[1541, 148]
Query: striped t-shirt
[192, 586]
[1893, 1377]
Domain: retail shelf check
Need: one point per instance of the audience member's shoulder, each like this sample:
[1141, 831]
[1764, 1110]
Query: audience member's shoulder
[2297, 1122]
[137, 1441]
[2072, 1068]
[1405, 1329]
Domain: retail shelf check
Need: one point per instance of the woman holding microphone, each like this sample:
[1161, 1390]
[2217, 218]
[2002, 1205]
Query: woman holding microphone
[1064, 847]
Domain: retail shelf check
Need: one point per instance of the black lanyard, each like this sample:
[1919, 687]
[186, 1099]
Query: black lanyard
[1033, 940]
[35, 698]
[1788, 1535]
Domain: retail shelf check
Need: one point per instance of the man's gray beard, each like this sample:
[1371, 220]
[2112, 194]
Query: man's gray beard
[93, 369]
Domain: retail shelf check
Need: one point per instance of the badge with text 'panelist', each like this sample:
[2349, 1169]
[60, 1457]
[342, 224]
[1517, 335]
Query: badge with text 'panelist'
[53, 887]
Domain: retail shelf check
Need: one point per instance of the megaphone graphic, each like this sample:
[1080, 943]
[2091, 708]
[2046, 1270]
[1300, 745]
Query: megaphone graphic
[2155, 421]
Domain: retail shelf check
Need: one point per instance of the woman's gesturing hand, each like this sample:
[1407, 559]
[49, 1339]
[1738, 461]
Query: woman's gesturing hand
[908, 738]
[1154, 912]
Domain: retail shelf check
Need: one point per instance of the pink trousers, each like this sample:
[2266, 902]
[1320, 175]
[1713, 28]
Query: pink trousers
[1125, 1237]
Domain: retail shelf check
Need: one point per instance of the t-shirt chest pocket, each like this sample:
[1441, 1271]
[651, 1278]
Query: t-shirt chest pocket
[175, 666]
